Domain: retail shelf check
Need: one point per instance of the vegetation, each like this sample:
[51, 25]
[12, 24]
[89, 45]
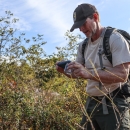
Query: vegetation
[33, 95]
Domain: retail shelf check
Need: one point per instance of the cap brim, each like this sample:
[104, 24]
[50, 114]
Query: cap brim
[77, 25]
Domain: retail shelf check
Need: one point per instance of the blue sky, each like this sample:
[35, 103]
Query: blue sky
[54, 17]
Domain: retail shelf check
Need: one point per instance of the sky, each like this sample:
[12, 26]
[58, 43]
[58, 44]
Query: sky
[53, 18]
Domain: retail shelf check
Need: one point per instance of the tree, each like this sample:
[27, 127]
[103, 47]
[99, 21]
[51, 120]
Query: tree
[29, 104]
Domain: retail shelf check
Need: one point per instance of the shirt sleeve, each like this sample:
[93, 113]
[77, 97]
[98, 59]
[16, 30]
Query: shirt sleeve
[119, 48]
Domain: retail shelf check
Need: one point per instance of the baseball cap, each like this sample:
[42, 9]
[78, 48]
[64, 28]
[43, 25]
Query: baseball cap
[81, 13]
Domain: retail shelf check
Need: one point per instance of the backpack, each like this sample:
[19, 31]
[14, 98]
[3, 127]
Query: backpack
[106, 50]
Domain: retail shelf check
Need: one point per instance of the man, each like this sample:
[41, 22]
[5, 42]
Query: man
[107, 110]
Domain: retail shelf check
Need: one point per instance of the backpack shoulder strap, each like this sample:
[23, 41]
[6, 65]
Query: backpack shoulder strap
[125, 34]
[85, 43]
[106, 45]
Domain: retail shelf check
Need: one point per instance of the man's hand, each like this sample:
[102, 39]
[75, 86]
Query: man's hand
[78, 70]
[59, 69]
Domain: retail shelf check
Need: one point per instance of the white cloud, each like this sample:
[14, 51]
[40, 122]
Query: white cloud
[51, 13]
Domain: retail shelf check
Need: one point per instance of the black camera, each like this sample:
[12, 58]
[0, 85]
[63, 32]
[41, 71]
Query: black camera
[62, 64]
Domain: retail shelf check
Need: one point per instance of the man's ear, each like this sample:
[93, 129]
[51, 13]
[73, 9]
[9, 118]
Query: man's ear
[96, 17]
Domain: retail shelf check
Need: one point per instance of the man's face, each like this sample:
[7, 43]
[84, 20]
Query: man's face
[89, 27]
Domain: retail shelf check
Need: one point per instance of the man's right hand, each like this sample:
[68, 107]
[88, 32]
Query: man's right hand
[59, 69]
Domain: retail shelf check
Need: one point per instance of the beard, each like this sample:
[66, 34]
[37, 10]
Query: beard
[93, 30]
[91, 34]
